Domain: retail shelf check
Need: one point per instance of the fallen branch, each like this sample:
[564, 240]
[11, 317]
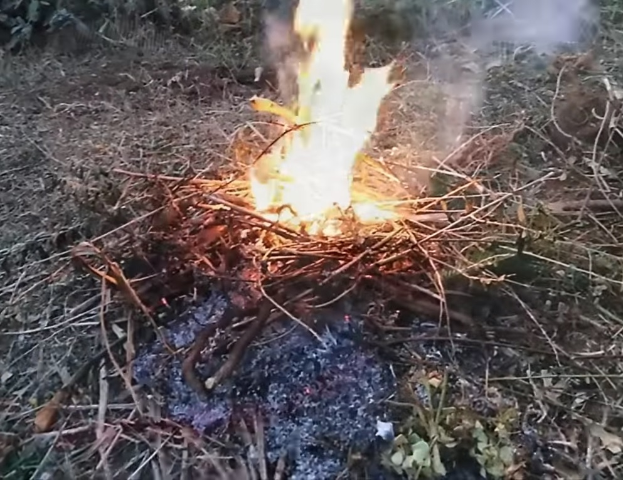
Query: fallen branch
[240, 347]
[189, 363]
[573, 208]
[432, 309]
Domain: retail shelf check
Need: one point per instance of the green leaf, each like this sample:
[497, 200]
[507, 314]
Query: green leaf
[482, 461]
[496, 469]
[33, 11]
[409, 462]
[421, 453]
[481, 437]
[398, 458]
[506, 455]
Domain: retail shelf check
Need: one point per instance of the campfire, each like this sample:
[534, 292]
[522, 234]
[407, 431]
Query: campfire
[309, 220]
[303, 222]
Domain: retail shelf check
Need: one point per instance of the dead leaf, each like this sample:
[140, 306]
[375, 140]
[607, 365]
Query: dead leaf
[168, 217]
[6, 376]
[611, 442]
[47, 417]
[435, 379]
[230, 15]
[265, 105]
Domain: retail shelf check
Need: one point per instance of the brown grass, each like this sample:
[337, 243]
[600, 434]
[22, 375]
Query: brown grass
[66, 124]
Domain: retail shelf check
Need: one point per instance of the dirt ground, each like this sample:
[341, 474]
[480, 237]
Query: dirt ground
[68, 120]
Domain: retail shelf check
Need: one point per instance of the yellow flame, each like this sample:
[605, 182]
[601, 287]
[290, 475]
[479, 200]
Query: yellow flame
[309, 174]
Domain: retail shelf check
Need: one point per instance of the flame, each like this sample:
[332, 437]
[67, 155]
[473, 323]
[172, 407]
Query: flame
[308, 176]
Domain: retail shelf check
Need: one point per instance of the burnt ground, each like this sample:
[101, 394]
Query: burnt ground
[533, 369]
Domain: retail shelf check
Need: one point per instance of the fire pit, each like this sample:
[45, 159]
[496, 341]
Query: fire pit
[312, 223]
[308, 224]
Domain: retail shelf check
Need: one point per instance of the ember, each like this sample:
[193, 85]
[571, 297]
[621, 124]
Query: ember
[307, 179]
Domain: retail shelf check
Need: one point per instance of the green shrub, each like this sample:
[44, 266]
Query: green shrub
[21, 21]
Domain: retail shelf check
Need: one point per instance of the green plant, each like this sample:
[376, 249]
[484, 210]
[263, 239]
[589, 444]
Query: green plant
[437, 432]
[492, 449]
[22, 18]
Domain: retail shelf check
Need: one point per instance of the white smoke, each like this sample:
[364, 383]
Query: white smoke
[282, 52]
[543, 26]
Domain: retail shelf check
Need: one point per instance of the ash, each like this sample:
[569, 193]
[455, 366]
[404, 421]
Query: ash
[318, 398]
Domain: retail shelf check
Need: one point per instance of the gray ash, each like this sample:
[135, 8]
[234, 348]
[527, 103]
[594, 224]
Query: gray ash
[318, 399]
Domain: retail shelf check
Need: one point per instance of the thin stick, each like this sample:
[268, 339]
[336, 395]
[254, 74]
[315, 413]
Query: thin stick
[240, 347]
[288, 314]
[275, 226]
[101, 420]
[338, 298]
[188, 365]
[260, 443]
[281, 467]
[124, 375]
[553, 104]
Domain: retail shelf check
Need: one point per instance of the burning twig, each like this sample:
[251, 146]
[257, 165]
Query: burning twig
[273, 226]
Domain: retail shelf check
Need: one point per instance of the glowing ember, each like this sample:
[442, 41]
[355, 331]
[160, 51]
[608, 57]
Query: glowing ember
[307, 179]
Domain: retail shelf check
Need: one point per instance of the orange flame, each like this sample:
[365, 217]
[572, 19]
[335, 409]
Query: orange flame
[309, 174]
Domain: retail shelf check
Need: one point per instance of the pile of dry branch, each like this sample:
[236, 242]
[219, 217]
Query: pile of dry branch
[207, 229]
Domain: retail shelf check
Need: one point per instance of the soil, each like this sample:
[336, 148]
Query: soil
[66, 121]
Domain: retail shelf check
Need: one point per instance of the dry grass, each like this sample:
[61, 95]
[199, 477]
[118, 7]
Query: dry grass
[539, 233]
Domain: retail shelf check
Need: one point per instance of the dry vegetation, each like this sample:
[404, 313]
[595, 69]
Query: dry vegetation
[101, 150]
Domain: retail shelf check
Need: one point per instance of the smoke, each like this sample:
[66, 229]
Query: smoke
[542, 26]
[283, 51]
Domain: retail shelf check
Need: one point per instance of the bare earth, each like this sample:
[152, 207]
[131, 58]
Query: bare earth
[67, 121]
